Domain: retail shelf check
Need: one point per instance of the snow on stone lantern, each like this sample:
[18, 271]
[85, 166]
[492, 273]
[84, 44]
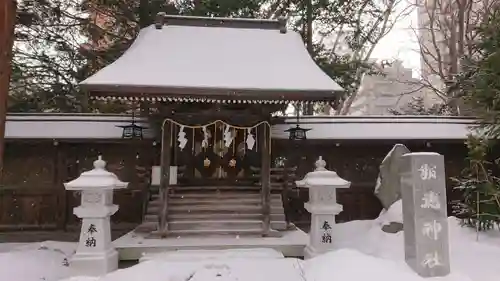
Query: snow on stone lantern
[323, 206]
[95, 254]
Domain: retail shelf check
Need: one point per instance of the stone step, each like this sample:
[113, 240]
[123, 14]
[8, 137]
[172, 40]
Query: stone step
[150, 218]
[150, 227]
[275, 216]
[218, 187]
[147, 226]
[216, 232]
[244, 209]
[202, 212]
[211, 200]
[157, 204]
[154, 210]
[204, 216]
[222, 224]
[219, 195]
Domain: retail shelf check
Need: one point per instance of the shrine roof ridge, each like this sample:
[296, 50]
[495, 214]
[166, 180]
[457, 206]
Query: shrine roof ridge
[187, 63]
[251, 23]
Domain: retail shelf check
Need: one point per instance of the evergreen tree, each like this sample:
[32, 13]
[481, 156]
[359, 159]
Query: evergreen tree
[46, 59]
[479, 86]
[479, 83]
[61, 42]
[480, 204]
[362, 23]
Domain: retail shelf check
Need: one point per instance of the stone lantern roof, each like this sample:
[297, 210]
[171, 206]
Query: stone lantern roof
[98, 178]
[322, 177]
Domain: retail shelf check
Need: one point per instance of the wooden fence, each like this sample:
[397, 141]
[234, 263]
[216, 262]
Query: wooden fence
[32, 195]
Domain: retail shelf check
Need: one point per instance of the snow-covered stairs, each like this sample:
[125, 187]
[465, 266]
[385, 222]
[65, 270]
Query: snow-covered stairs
[210, 211]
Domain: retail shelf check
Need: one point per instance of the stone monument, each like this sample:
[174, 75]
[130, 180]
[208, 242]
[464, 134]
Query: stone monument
[323, 206]
[423, 191]
[388, 189]
[95, 254]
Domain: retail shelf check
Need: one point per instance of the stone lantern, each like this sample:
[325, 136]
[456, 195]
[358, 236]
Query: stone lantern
[95, 254]
[323, 206]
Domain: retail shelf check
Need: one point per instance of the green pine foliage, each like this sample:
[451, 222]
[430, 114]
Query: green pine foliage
[359, 20]
[480, 204]
[479, 83]
[60, 42]
[47, 61]
[479, 86]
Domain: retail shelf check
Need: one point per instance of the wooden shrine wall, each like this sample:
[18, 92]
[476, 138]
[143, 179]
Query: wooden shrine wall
[358, 162]
[32, 195]
[29, 195]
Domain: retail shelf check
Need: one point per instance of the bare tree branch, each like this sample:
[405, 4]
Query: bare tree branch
[380, 28]
[446, 35]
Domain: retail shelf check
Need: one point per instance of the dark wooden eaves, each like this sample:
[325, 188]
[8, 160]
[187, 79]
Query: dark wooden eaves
[164, 19]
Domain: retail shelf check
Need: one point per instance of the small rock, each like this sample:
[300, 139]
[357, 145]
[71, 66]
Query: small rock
[393, 227]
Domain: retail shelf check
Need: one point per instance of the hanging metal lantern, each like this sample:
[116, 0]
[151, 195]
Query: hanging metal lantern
[132, 131]
[297, 133]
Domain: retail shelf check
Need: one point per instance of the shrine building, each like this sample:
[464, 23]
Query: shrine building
[215, 83]
[204, 153]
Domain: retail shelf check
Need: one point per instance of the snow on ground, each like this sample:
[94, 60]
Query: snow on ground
[477, 259]
[351, 265]
[341, 265]
[45, 261]
[364, 252]
[191, 255]
[209, 270]
[6, 247]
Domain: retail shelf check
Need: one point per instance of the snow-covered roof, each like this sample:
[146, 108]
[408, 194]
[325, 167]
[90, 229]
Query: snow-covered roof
[105, 127]
[215, 60]
[381, 127]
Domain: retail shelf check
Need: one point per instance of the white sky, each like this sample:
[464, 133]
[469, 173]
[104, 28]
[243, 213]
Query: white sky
[401, 42]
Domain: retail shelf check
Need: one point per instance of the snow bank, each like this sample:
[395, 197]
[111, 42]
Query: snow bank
[476, 259]
[219, 270]
[393, 214]
[37, 261]
[351, 265]
[7, 247]
[82, 278]
[363, 252]
[196, 255]
[340, 265]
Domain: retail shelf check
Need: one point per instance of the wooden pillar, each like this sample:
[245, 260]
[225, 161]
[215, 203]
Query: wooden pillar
[166, 146]
[7, 23]
[284, 192]
[60, 175]
[265, 172]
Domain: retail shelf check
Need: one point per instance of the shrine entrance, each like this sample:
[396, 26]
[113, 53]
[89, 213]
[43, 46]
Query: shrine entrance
[216, 153]
[213, 113]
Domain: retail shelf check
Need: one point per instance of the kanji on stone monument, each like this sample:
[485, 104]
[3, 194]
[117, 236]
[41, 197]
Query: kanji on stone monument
[90, 242]
[92, 229]
[425, 221]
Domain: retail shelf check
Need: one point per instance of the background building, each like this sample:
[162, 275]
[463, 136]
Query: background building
[379, 94]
